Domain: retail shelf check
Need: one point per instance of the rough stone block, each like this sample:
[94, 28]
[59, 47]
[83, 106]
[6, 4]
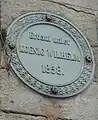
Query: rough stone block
[10, 116]
[95, 51]
[73, 2]
[91, 4]
[83, 3]
[84, 20]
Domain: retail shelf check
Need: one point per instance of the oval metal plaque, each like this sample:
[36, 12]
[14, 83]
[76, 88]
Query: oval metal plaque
[50, 54]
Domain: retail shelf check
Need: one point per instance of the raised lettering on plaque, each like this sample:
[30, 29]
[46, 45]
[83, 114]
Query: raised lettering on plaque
[51, 55]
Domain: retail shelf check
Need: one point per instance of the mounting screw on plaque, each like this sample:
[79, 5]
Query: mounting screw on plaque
[88, 59]
[48, 17]
[54, 90]
[11, 45]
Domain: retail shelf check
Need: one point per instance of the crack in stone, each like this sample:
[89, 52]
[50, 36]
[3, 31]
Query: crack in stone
[2, 67]
[59, 118]
[22, 113]
[69, 6]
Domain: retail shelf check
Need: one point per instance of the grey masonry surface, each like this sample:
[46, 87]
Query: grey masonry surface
[90, 4]
[18, 101]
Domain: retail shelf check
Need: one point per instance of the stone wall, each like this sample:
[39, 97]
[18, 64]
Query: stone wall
[18, 101]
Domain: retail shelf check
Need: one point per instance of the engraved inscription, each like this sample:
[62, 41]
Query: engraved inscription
[36, 36]
[49, 53]
[51, 69]
[31, 50]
